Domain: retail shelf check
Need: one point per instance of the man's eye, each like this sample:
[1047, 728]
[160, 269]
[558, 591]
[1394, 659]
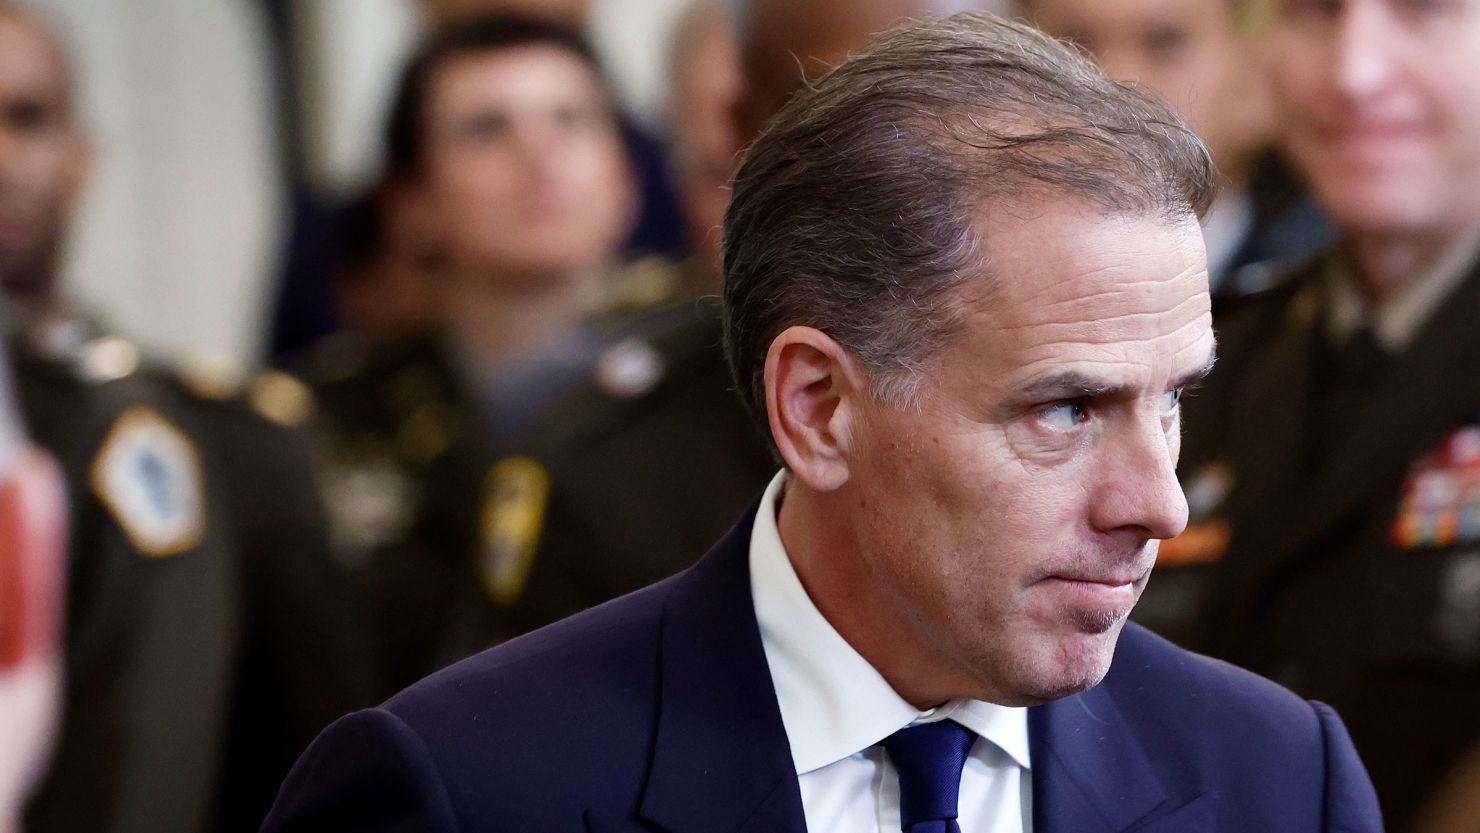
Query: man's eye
[1067, 415]
[1171, 399]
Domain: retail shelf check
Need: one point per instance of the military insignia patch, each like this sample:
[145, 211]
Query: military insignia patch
[1440, 505]
[518, 489]
[148, 474]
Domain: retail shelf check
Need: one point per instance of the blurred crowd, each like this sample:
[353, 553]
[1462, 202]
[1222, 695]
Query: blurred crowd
[495, 393]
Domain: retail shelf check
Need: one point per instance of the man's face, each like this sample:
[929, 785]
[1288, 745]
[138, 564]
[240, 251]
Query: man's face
[1186, 51]
[1382, 103]
[1014, 516]
[42, 156]
[526, 173]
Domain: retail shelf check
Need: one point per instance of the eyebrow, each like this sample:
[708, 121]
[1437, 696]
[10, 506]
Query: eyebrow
[1073, 385]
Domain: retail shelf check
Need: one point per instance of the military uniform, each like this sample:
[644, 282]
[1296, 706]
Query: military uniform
[153, 601]
[403, 453]
[208, 638]
[1333, 476]
[623, 483]
[303, 660]
[411, 437]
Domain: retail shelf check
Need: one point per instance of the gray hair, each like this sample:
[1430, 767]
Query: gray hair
[857, 211]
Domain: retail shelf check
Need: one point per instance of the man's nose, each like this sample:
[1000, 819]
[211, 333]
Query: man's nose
[1140, 492]
[1364, 56]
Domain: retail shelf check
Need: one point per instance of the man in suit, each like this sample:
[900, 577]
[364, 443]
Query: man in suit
[965, 288]
[1333, 467]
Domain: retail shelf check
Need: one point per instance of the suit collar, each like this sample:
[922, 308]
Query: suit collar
[1089, 771]
[716, 688]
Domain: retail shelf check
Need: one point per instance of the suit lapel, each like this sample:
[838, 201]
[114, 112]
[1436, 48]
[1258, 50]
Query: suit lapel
[1089, 771]
[721, 760]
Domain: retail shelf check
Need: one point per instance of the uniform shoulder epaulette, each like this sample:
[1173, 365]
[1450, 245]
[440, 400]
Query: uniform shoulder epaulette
[212, 377]
[645, 284]
[281, 397]
[274, 395]
[106, 359]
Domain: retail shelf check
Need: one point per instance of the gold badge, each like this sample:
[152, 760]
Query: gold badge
[281, 398]
[148, 474]
[518, 489]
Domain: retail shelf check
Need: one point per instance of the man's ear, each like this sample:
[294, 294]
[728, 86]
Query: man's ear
[815, 395]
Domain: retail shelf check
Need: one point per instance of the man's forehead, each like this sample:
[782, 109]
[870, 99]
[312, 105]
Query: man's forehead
[32, 61]
[1063, 277]
[477, 80]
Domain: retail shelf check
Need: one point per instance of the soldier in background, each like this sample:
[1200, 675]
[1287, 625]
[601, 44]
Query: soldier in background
[505, 137]
[1197, 55]
[1332, 464]
[635, 472]
[207, 635]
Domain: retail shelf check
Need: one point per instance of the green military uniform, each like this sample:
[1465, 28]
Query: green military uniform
[153, 601]
[624, 483]
[403, 454]
[208, 637]
[303, 660]
[410, 440]
[1334, 545]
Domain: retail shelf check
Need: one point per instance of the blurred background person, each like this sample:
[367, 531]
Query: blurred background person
[32, 583]
[1199, 56]
[308, 304]
[505, 140]
[1332, 465]
[203, 603]
[646, 464]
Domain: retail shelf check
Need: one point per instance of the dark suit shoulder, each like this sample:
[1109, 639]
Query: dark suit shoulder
[1186, 680]
[513, 733]
[606, 648]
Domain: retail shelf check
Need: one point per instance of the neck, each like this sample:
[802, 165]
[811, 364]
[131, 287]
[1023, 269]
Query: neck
[856, 601]
[510, 320]
[1386, 263]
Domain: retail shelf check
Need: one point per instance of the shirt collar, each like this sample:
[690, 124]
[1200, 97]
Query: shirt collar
[1398, 321]
[833, 703]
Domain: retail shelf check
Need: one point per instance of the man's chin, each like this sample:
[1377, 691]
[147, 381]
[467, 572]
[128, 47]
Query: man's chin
[1066, 665]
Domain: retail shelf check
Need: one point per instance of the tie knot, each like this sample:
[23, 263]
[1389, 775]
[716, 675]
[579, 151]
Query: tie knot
[929, 758]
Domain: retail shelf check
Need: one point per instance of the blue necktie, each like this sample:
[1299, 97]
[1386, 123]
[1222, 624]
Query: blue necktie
[929, 758]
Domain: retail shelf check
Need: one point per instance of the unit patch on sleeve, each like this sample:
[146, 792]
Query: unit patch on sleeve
[513, 517]
[148, 474]
[1440, 506]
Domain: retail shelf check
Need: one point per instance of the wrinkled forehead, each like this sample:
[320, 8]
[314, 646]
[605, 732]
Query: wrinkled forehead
[1065, 278]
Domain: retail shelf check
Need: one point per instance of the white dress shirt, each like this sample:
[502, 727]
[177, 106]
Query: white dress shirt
[837, 710]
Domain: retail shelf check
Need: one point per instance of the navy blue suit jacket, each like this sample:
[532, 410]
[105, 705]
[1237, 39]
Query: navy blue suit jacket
[657, 712]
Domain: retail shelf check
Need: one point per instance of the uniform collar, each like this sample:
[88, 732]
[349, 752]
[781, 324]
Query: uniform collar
[1398, 321]
[833, 703]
